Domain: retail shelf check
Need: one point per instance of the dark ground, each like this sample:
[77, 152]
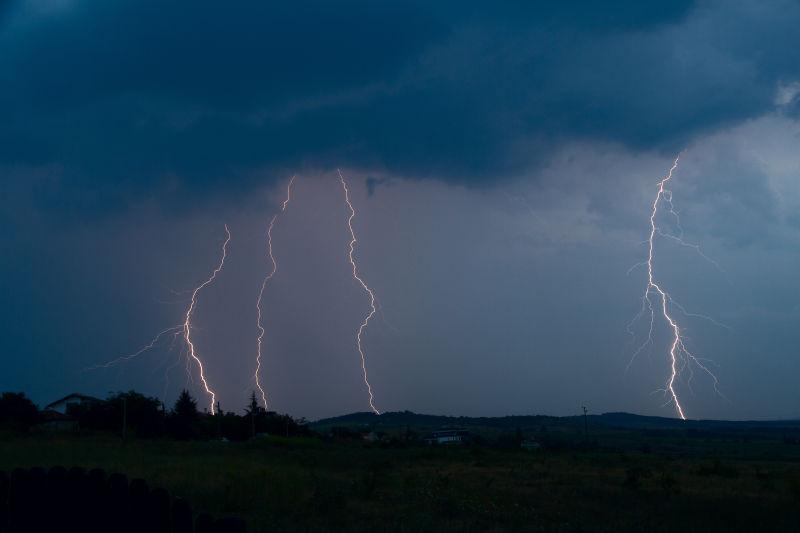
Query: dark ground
[642, 478]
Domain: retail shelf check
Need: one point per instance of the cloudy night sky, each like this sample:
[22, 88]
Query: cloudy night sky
[502, 161]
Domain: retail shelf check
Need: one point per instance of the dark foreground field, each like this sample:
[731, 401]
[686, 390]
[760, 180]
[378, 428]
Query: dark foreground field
[639, 481]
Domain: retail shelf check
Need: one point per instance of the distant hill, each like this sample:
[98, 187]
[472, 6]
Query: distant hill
[401, 419]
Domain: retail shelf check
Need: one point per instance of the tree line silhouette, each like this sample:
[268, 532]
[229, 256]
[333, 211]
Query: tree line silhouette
[134, 414]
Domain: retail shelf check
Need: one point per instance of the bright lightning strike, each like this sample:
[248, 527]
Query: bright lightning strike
[187, 324]
[182, 330]
[373, 309]
[680, 358]
[264, 286]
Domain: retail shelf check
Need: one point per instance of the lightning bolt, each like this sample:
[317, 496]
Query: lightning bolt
[366, 288]
[187, 324]
[268, 277]
[147, 347]
[181, 330]
[680, 358]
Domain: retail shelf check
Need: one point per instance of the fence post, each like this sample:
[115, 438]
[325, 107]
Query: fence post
[3, 500]
[76, 487]
[17, 498]
[54, 496]
[181, 517]
[204, 524]
[118, 495]
[230, 525]
[139, 492]
[158, 507]
[97, 506]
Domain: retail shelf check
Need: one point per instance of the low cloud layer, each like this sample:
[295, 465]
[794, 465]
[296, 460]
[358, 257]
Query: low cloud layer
[153, 98]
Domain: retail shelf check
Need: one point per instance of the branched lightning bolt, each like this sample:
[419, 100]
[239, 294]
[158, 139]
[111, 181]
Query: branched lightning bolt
[187, 324]
[147, 347]
[680, 357]
[373, 309]
[268, 277]
[181, 330]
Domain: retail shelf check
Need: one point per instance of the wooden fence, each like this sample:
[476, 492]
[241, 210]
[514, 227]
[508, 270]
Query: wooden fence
[74, 500]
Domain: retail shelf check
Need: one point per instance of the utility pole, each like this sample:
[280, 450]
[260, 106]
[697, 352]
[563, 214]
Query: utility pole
[219, 421]
[124, 417]
[585, 425]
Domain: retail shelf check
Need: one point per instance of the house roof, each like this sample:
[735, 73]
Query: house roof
[73, 396]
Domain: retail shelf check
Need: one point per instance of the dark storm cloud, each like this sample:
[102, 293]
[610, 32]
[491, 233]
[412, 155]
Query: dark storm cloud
[745, 208]
[126, 97]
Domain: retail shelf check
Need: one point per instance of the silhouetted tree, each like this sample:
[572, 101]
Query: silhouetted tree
[17, 411]
[145, 416]
[183, 422]
[252, 411]
[256, 415]
[253, 407]
[185, 406]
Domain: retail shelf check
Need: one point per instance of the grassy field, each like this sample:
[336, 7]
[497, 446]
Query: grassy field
[676, 484]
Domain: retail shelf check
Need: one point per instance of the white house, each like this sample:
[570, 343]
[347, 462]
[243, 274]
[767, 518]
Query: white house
[60, 406]
[448, 436]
